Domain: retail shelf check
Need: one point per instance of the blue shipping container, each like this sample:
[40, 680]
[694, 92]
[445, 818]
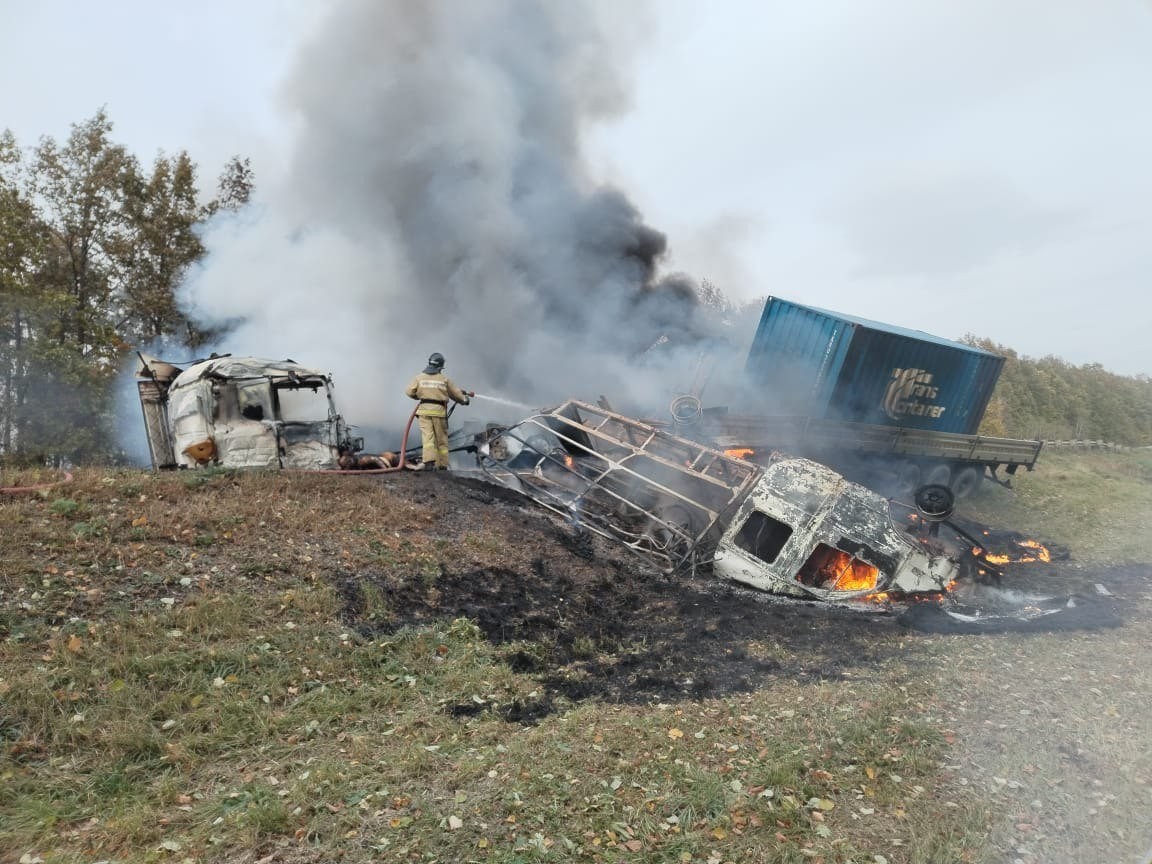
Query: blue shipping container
[822, 364]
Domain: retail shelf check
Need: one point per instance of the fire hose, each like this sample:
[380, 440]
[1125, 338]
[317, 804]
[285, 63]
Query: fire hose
[402, 463]
[399, 466]
[37, 487]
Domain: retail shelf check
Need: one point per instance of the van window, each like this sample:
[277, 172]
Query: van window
[303, 404]
[763, 536]
[254, 400]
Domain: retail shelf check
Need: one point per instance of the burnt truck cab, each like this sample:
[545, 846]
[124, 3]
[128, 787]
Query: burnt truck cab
[806, 531]
[241, 412]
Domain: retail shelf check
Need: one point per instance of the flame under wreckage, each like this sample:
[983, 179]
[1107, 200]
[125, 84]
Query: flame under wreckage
[789, 526]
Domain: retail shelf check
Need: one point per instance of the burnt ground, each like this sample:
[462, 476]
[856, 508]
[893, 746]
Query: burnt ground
[588, 619]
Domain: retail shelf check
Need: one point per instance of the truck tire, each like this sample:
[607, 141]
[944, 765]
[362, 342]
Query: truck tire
[938, 475]
[935, 503]
[965, 482]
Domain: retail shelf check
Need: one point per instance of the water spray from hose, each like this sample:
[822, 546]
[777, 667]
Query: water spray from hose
[502, 401]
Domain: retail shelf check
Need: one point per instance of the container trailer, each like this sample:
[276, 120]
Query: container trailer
[883, 403]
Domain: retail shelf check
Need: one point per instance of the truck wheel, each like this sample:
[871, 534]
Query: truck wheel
[965, 482]
[935, 503]
[938, 475]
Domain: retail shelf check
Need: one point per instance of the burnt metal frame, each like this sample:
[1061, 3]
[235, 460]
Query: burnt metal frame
[616, 480]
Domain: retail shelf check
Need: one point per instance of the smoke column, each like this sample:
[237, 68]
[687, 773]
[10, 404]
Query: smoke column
[437, 201]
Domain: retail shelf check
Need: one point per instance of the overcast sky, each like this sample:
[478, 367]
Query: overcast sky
[980, 167]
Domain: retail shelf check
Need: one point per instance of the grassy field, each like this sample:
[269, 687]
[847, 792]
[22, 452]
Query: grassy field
[181, 681]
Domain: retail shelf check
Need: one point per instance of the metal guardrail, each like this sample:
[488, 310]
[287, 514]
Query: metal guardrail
[1094, 445]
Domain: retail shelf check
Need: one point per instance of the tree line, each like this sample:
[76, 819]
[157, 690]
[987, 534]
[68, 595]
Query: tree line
[1052, 399]
[93, 248]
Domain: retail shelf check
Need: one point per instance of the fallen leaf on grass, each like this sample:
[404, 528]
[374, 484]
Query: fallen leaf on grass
[675, 734]
[633, 845]
[455, 823]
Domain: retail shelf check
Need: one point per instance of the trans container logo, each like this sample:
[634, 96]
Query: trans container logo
[910, 394]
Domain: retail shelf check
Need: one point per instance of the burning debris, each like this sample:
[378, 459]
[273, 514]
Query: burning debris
[791, 527]
[787, 526]
[662, 496]
[1028, 552]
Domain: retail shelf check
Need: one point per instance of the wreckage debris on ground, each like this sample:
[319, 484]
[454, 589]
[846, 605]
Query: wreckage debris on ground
[589, 620]
[791, 526]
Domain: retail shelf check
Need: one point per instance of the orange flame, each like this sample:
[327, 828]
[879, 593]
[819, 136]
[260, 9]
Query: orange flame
[740, 452]
[839, 571]
[1035, 552]
[1042, 553]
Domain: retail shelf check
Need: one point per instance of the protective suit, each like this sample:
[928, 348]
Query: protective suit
[432, 388]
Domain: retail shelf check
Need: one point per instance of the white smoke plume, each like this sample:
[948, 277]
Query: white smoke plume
[437, 200]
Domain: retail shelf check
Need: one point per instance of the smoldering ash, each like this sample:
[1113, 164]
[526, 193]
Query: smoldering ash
[437, 199]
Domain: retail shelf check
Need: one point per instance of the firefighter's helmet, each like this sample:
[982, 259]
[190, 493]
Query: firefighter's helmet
[436, 362]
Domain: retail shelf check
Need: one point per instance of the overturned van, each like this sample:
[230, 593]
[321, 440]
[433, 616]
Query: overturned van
[806, 531]
[240, 412]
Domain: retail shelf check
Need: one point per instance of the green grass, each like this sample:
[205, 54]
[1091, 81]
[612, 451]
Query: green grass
[164, 698]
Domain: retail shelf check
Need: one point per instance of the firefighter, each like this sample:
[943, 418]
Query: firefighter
[433, 389]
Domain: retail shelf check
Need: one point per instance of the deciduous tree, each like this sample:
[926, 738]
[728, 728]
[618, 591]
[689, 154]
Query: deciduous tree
[162, 215]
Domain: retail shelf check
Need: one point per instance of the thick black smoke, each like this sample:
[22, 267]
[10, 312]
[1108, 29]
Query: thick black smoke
[438, 201]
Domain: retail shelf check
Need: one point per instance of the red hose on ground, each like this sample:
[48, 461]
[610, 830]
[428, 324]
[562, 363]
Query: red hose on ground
[399, 466]
[14, 490]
